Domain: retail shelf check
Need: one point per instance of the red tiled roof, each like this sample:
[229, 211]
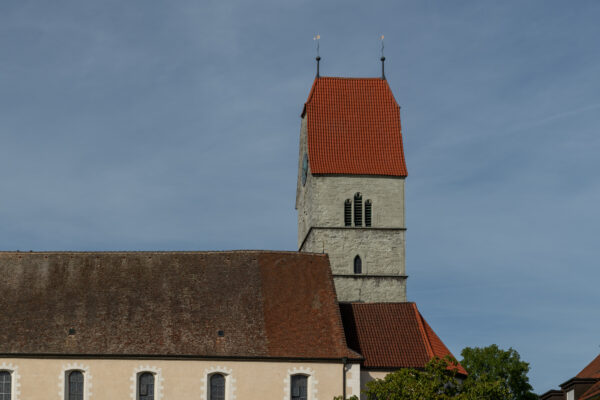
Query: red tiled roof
[268, 304]
[391, 335]
[354, 128]
[592, 370]
[592, 393]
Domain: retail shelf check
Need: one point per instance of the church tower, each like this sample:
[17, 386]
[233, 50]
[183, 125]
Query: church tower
[350, 193]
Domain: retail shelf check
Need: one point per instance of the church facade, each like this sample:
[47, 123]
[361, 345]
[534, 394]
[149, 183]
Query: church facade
[310, 324]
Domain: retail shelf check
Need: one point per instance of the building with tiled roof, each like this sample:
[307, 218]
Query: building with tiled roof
[391, 336]
[305, 325]
[583, 386]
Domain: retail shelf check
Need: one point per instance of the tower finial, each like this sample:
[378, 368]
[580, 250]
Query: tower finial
[382, 59]
[317, 38]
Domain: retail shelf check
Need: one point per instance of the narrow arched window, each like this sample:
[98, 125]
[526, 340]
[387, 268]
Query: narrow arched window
[299, 387]
[146, 386]
[357, 209]
[368, 211]
[357, 265]
[217, 387]
[5, 385]
[348, 213]
[74, 385]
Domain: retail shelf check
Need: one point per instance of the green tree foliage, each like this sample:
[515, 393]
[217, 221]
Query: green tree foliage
[492, 364]
[436, 382]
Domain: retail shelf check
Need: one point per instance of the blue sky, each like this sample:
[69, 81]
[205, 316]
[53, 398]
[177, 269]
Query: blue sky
[146, 125]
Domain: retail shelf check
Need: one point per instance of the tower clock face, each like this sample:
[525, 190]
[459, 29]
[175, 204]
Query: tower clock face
[304, 169]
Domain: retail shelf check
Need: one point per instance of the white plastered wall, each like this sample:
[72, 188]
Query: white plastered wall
[174, 379]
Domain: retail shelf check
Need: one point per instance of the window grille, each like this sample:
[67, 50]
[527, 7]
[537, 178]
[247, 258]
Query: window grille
[299, 387]
[146, 386]
[357, 265]
[368, 211]
[5, 385]
[217, 387]
[348, 212]
[357, 209]
[75, 386]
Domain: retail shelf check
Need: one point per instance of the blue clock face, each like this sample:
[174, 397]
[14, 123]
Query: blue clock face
[304, 168]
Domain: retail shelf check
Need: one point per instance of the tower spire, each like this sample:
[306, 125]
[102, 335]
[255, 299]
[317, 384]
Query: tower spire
[382, 60]
[317, 38]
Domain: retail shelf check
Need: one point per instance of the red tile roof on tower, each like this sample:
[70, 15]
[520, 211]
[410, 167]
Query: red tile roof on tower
[391, 335]
[354, 128]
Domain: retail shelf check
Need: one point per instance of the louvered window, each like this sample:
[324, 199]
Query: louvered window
[75, 385]
[299, 387]
[217, 387]
[357, 209]
[357, 265]
[5, 385]
[368, 211]
[146, 386]
[348, 212]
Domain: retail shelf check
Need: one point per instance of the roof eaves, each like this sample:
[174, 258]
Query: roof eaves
[573, 381]
[550, 393]
[116, 356]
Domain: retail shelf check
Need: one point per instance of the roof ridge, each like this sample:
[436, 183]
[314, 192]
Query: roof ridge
[376, 78]
[423, 331]
[238, 251]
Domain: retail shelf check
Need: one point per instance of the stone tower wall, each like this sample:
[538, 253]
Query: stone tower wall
[320, 205]
[381, 250]
[382, 254]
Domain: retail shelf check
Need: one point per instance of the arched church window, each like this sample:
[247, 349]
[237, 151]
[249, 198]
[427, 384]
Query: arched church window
[357, 265]
[299, 387]
[75, 385]
[217, 387]
[348, 212]
[5, 385]
[368, 211]
[146, 386]
[357, 209]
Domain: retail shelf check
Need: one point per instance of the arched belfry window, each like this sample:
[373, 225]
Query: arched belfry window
[299, 387]
[217, 387]
[146, 386]
[357, 209]
[5, 385]
[357, 265]
[74, 385]
[368, 212]
[348, 212]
